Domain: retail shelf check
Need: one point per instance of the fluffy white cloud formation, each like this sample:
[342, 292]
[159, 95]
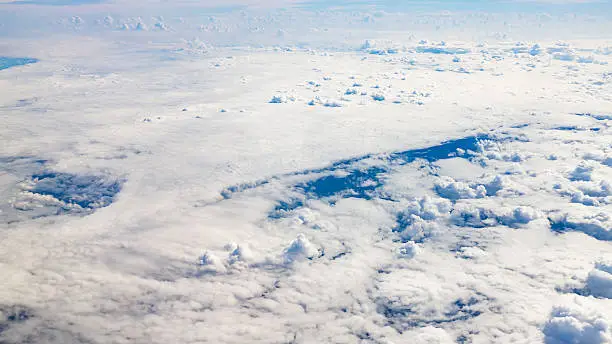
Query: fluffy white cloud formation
[574, 326]
[470, 205]
[599, 282]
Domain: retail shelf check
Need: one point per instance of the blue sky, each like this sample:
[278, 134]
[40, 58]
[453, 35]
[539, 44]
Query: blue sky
[473, 5]
[58, 2]
[16, 19]
[392, 5]
[597, 7]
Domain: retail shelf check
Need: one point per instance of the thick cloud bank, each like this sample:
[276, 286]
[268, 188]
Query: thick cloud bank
[163, 179]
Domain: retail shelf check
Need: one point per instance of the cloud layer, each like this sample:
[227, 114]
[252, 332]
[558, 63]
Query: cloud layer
[152, 192]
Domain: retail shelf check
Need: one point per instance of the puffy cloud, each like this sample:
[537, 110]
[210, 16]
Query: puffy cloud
[599, 282]
[582, 172]
[408, 250]
[210, 262]
[567, 325]
[598, 225]
[471, 216]
[299, 249]
[240, 254]
[453, 190]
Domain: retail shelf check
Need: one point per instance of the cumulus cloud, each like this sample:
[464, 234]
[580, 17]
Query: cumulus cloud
[560, 2]
[299, 249]
[471, 216]
[408, 250]
[597, 225]
[599, 282]
[240, 254]
[567, 325]
[210, 262]
[582, 172]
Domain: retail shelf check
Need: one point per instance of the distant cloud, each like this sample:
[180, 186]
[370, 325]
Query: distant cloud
[206, 4]
[560, 2]
[53, 2]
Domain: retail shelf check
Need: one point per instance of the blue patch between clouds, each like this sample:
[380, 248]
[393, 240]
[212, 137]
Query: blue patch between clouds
[347, 179]
[8, 62]
[86, 191]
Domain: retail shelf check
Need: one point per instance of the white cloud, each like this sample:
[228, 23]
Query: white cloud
[560, 2]
[568, 325]
[300, 249]
[336, 218]
[599, 282]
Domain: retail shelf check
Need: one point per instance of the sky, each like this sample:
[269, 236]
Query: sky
[515, 19]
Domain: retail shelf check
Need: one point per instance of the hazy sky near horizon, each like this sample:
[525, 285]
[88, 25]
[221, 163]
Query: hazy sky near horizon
[43, 17]
[391, 5]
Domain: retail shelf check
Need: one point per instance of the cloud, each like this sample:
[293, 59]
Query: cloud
[559, 2]
[568, 325]
[599, 282]
[300, 249]
[285, 222]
